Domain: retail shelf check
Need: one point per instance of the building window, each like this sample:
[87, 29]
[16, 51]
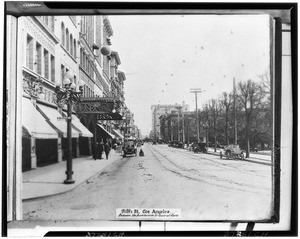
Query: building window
[62, 34]
[62, 71]
[52, 23]
[46, 64]
[74, 50]
[29, 54]
[52, 68]
[71, 45]
[38, 58]
[67, 39]
[80, 52]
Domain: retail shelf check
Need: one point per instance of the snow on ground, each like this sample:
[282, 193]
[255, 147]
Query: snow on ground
[203, 186]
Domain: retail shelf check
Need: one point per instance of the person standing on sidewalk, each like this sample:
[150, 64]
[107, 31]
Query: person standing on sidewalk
[100, 148]
[106, 149]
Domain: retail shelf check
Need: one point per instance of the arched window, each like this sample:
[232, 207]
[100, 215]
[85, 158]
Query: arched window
[67, 39]
[74, 48]
[62, 34]
[81, 56]
[71, 45]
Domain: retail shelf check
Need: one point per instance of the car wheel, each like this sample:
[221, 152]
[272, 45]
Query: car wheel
[227, 155]
[242, 156]
[124, 155]
[221, 155]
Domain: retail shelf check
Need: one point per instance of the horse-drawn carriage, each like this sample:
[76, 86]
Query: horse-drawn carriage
[232, 151]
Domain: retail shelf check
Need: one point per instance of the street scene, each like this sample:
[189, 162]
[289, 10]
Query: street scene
[140, 117]
[203, 186]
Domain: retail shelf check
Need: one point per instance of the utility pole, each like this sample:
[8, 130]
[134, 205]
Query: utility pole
[234, 113]
[182, 115]
[196, 91]
[178, 107]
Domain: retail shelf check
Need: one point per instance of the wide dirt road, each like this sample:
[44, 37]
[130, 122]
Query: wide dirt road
[203, 186]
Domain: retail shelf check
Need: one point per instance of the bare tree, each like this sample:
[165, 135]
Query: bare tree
[249, 98]
[226, 102]
[214, 108]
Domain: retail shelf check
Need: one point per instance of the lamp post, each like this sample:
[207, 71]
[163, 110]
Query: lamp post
[68, 94]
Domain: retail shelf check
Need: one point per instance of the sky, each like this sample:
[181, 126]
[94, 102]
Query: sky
[164, 56]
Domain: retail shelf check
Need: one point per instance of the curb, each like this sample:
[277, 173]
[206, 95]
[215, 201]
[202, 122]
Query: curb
[251, 161]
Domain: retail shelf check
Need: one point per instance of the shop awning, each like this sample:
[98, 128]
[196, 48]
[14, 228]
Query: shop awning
[105, 132]
[84, 132]
[57, 120]
[117, 134]
[35, 123]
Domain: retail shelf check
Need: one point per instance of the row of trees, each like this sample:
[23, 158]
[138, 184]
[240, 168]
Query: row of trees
[249, 107]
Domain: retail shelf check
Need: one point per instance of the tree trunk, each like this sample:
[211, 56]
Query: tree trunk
[226, 128]
[247, 135]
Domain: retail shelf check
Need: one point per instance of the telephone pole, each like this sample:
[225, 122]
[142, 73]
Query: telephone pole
[196, 91]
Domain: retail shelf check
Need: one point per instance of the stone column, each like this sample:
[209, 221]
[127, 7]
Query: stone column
[59, 149]
[33, 152]
[90, 145]
[77, 147]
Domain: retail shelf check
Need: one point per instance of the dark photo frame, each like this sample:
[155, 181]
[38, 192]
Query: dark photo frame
[283, 87]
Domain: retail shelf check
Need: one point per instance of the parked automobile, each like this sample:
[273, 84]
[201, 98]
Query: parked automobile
[129, 147]
[232, 151]
[200, 147]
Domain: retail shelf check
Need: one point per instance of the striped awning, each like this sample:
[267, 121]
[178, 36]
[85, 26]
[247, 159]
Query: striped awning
[117, 133]
[35, 123]
[84, 132]
[105, 132]
[55, 119]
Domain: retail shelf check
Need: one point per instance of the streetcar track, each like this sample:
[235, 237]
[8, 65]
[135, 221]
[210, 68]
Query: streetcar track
[211, 177]
[217, 164]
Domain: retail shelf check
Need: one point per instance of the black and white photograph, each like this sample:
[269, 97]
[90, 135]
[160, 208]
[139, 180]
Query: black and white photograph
[147, 119]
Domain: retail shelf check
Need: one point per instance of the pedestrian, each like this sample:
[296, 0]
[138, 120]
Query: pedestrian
[106, 149]
[141, 152]
[100, 148]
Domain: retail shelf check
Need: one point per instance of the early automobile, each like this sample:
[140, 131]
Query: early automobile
[129, 147]
[200, 147]
[232, 151]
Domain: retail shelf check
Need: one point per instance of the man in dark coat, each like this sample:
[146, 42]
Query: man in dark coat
[100, 148]
[106, 149]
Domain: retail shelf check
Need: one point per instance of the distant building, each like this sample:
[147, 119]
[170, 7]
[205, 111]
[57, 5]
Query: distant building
[159, 110]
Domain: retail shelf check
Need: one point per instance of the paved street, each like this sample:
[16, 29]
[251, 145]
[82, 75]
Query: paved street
[203, 186]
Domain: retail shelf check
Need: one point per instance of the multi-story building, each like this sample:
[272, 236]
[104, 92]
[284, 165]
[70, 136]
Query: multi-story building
[53, 48]
[159, 110]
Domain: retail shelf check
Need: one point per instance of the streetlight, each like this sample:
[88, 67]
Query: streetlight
[69, 94]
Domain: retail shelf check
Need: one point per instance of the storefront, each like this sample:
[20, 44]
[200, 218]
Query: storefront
[39, 139]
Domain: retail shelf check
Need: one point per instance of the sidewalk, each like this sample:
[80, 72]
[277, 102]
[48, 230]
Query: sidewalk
[48, 180]
[254, 157]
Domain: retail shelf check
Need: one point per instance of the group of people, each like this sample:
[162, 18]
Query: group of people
[106, 146]
[100, 147]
